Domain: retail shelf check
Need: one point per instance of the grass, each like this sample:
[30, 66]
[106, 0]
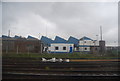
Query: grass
[67, 55]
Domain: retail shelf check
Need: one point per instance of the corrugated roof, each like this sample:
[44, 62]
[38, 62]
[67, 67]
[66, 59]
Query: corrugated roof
[73, 40]
[4, 36]
[30, 37]
[16, 37]
[47, 41]
[85, 38]
[59, 40]
[84, 45]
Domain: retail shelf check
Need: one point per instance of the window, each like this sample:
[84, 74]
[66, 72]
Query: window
[64, 48]
[56, 48]
[85, 48]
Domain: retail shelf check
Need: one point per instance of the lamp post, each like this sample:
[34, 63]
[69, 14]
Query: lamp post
[116, 47]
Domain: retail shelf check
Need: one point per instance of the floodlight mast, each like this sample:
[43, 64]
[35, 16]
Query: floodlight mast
[8, 33]
[46, 29]
[101, 32]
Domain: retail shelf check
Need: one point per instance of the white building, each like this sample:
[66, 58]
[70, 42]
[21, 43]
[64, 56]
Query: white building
[85, 43]
[59, 45]
[61, 48]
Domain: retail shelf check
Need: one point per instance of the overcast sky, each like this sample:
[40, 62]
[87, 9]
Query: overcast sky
[62, 19]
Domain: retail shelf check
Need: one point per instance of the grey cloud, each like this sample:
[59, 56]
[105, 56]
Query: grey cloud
[64, 18]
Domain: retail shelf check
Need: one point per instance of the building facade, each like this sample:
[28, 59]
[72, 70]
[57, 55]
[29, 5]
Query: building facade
[61, 48]
[88, 45]
[58, 45]
[19, 44]
[75, 41]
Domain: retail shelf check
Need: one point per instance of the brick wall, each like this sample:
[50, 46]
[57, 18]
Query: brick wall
[22, 45]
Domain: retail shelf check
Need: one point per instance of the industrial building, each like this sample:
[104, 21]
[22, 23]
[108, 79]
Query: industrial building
[75, 41]
[88, 45]
[59, 45]
[18, 44]
[46, 43]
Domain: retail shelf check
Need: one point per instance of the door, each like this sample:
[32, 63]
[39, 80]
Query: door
[70, 50]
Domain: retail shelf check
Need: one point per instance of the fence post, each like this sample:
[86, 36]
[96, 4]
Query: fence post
[17, 49]
[41, 48]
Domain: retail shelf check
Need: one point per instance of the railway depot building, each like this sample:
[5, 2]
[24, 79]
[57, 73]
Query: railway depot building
[20, 44]
[59, 45]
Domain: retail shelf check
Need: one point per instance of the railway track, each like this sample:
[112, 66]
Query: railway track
[35, 69]
[58, 76]
[61, 65]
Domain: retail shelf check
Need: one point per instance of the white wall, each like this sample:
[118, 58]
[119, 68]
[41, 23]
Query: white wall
[88, 42]
[83, 49]
[60, 46]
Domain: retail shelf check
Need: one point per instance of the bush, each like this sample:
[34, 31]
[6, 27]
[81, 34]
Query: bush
[112, 53]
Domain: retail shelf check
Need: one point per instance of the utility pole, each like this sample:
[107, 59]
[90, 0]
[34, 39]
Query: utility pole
[46, 29]
[8, 33]
[8, 44]
[101, 32]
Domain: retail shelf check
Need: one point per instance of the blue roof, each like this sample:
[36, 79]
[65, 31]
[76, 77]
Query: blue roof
[30, 37]
[73, 40]
[85, 38]
[47, 41]
[84, 45]
[16, 37]
[59, 40]
[4, 36]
